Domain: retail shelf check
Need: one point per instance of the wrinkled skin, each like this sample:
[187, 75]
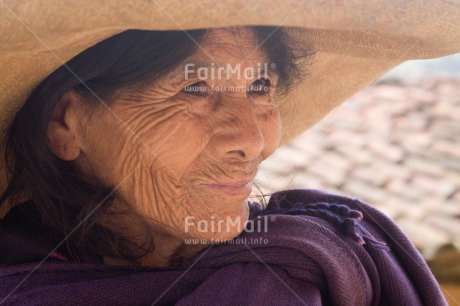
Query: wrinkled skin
[159, 145]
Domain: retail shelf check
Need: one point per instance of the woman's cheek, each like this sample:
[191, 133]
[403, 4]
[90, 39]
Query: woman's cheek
[167, 146]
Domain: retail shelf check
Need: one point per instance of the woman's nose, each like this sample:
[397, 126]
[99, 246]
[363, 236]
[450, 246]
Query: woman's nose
[238, 134]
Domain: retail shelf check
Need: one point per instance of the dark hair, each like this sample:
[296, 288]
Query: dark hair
[134, 57]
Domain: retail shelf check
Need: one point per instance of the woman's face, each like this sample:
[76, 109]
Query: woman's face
[184, 156]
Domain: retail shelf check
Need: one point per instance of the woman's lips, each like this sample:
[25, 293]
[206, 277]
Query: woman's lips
[240, 188]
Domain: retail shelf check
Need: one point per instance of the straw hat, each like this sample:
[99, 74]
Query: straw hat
[356, 41]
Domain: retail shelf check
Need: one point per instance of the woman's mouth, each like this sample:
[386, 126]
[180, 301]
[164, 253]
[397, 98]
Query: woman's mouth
[235, 188]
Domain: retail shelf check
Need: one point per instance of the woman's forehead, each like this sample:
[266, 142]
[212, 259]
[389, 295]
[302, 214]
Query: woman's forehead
[223, 52]
[236, 43]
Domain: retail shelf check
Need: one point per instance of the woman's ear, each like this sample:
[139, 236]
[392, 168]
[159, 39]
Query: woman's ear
[63, 128]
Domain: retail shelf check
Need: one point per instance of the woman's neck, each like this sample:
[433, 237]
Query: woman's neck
[168, 250]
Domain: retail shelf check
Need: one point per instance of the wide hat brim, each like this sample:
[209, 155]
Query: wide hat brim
[355, 41]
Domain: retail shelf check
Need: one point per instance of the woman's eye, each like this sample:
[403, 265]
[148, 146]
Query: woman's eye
[198, 89]
[261, 87]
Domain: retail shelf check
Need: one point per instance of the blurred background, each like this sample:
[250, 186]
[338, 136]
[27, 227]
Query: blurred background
[396, 146]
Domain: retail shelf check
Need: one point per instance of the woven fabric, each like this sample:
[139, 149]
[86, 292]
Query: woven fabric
[317, 252]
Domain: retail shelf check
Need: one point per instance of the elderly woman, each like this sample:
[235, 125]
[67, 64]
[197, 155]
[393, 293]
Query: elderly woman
[129, 169]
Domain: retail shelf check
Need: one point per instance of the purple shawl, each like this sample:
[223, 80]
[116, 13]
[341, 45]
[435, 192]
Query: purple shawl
[316, 251]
